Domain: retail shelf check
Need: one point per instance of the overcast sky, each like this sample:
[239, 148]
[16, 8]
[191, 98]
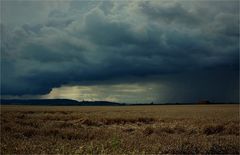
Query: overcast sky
[125, 51]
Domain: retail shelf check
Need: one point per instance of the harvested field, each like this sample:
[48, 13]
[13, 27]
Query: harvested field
[211, 129]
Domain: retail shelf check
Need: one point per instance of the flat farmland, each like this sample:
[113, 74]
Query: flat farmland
[162, 129]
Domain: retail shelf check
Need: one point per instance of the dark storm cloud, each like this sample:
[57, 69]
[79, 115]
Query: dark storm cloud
[171, 13]
[101, 42]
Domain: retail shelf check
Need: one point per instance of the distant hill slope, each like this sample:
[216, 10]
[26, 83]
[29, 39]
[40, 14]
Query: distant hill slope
[69, 102]
[63, 102]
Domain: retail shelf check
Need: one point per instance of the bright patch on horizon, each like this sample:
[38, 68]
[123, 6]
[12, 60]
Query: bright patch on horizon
[131, 93]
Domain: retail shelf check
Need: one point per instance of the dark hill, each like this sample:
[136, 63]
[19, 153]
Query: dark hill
[69, 102]
[61, 102]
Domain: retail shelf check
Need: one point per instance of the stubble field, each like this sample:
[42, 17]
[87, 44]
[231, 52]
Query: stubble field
[169, 129]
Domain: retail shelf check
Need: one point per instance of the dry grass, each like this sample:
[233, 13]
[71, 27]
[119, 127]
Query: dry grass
[205, 129]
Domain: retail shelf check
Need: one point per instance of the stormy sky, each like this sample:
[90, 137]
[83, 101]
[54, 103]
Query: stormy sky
[123, 51]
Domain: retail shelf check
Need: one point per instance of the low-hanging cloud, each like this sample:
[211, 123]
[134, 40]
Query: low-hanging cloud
[108, 41]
